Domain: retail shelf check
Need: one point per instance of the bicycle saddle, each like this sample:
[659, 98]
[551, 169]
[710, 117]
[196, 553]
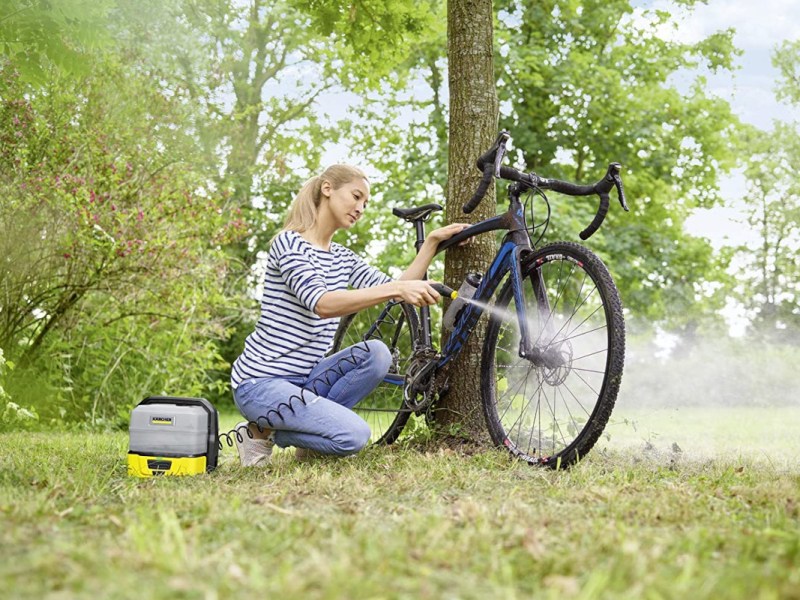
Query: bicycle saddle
[417, 213]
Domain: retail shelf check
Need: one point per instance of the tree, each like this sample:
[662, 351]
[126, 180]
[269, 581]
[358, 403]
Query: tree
[769, 280]
[473, 127]
[110, 243]
[585, 84]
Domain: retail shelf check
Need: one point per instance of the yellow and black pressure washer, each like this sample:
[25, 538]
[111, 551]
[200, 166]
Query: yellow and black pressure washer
[173, 436]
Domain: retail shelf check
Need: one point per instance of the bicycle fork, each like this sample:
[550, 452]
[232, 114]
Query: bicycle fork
[541, 351]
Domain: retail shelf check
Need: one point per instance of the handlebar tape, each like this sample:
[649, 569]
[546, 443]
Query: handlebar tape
[598, 218]
[482, 188]
[486, 158]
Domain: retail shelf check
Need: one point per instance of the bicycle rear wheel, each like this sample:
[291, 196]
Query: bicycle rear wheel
[396, 325]
[553, 414]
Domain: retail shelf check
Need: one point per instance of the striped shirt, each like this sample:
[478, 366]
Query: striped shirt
[290, 338]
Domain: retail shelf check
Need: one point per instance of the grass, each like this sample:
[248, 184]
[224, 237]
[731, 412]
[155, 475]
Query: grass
[403, 522]
[758, 434]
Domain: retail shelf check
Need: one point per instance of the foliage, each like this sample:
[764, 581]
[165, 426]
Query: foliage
[112, 244]
[376, 35]
[786, 59]
[35, 35]
[582, 85]
[12, 415]
[768, 282]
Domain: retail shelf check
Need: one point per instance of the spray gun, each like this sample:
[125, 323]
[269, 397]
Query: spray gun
[445, 291]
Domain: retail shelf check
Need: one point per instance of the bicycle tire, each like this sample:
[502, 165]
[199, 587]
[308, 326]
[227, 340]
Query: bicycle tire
[384, 408]
[581, 378]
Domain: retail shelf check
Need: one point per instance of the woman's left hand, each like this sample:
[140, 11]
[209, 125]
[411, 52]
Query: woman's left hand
[448, 231]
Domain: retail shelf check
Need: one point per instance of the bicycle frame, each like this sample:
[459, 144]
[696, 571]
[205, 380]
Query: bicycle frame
[509, 259]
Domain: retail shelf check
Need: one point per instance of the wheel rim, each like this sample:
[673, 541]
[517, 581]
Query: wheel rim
[545, 410]
[383, 408]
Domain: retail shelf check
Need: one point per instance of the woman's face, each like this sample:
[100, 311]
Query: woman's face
[346, 204]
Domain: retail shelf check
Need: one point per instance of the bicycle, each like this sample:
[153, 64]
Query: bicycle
[555, 340]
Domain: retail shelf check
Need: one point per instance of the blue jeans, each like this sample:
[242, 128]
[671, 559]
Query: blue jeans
[315, 412]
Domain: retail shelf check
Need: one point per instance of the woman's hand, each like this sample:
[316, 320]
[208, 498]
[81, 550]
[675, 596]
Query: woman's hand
[418, 267]
[445, 233]
[416, 292]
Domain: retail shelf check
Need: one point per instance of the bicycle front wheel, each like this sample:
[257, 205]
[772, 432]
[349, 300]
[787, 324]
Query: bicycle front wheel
[396, 325]
[550, 407]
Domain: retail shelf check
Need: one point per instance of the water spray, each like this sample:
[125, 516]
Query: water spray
[464, 296]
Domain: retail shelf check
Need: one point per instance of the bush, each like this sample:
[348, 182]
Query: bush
[113, 282]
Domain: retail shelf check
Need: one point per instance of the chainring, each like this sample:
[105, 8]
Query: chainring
[420, 380]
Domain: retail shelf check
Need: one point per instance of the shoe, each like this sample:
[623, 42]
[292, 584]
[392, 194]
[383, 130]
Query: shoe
[253, 452]
[306, 454]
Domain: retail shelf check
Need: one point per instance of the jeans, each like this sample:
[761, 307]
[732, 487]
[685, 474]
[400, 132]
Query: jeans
[315, 412]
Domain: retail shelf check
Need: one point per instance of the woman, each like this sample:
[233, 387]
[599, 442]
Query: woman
[281, 380]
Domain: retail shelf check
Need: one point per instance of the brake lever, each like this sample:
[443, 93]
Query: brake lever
[618, 184]
[501, 152]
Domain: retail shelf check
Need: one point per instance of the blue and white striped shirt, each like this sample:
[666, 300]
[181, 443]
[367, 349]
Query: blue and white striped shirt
[290, 338]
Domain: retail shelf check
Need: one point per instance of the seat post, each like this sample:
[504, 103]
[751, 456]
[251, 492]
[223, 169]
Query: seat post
[424, 311]
[419, 227]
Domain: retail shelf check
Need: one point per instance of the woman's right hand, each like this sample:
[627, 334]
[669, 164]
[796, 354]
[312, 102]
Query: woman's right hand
[416, 292]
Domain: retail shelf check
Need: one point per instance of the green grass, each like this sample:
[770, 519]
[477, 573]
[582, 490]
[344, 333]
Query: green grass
[395, 523]
[761, 435]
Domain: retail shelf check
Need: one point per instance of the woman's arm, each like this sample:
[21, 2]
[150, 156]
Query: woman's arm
[345, 302]
[408, 288]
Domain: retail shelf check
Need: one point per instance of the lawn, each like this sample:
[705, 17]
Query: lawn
[637, 518]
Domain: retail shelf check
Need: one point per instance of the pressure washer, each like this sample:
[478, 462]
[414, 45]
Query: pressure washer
[173, 436]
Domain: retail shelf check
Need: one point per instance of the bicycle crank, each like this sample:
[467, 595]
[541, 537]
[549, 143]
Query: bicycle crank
[420, 385]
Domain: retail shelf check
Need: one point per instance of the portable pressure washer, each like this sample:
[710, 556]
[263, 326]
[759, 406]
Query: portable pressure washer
[173, 436]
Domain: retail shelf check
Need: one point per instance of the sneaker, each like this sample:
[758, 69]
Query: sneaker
[253, 452]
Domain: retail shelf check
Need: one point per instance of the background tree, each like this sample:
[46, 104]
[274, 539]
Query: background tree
[111, 244]
[585, 84]
[769, 277]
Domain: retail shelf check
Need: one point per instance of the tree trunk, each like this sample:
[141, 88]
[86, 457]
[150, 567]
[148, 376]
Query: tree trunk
[473, 128]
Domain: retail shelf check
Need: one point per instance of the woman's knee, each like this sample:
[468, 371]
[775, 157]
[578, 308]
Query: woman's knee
[379, 357]
[353, 440]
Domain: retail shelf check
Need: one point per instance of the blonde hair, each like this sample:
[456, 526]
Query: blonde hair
[303, 211]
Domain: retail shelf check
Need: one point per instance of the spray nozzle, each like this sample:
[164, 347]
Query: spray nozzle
[445, 291]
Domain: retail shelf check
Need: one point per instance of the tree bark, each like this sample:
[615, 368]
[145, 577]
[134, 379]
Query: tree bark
[473, 127]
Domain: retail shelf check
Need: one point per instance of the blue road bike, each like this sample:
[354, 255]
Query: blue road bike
[554, 343]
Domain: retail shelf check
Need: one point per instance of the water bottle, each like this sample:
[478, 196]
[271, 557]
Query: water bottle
[465, 293]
